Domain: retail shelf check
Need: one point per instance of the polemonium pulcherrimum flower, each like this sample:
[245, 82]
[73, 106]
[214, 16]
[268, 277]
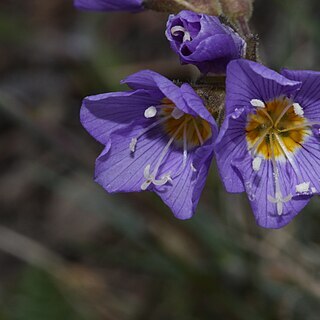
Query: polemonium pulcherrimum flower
[268, 145]
[158, 137]
[109, 5]
[204, 41]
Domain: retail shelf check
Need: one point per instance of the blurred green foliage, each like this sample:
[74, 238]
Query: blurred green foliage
[37, 298]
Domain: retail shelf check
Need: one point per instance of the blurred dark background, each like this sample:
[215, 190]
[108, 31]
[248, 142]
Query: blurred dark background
[70, 251]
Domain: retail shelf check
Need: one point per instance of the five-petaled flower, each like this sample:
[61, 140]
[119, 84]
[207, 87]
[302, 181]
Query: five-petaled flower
[268, 145]
[157, 137]
[204, 41]
[109, 5]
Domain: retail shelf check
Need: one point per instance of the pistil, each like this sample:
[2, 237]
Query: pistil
[278, 199]
[151, 177]
[173, 121]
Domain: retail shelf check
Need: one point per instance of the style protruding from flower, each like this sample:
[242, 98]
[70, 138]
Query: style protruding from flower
[109, 5]
[269, 145]
[204, 41]
[157, 137]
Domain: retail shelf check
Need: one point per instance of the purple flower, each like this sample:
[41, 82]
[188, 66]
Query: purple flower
[268, 145]
[157, 137]
[204, 41]
[109, 5]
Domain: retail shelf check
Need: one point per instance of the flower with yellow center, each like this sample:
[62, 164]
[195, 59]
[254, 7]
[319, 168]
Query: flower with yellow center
[269, 145]
[277, 128]
[158, 137]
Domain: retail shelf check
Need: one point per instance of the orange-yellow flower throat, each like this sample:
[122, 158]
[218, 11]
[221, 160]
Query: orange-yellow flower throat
[196, 132]
[277, 128]
[182, 129]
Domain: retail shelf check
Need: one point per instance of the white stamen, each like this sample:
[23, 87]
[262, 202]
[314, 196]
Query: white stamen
[283, 112]
[313, 190]
[133, 144]
[257, 103]
[256, 164]
[305, 125]
[303, 187]
[177, 113]
[288, 156]
[193, 168]
[186, 34]
[255, 147]
[298, 110]
[197, 131]
[150, 112]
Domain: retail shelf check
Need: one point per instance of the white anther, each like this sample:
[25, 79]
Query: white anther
[256, 164]
[186, 34]
[150, 112]
[303, 187]
[313, 190]
[133, 144]
[257, 103]
[177, 113]
[193, 168]
[298, 110]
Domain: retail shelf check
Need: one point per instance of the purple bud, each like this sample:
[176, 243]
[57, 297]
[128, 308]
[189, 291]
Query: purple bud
[204, 41]
[109, 5]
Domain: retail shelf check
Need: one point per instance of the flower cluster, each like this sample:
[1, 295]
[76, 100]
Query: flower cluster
[157, 137]
[162, 137]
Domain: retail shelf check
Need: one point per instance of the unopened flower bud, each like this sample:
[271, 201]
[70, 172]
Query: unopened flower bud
[204, 41]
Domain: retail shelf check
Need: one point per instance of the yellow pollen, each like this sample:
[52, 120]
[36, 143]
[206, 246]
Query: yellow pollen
[277, 126]
[197, 130]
